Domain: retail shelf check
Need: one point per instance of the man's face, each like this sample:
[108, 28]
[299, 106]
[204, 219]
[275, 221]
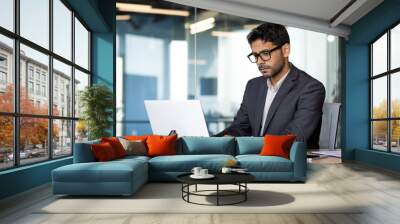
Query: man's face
[272, 67]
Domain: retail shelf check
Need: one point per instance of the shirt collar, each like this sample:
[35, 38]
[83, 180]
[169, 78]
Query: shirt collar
[278, 84]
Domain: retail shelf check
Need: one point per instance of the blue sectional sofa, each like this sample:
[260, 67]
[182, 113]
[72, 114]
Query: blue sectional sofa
[125, 176]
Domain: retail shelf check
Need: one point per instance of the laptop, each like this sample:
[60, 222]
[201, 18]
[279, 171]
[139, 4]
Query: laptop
[185, 117]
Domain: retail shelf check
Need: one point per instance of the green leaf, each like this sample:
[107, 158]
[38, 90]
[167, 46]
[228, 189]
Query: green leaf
[97, 104]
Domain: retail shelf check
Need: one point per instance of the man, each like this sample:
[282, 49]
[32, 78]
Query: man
[285, 99]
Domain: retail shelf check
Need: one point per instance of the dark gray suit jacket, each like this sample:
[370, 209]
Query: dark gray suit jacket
[296, 109]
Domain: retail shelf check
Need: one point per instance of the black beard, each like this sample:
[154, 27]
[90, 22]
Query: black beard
[274, 72]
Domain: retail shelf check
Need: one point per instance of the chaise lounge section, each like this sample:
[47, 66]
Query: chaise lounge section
[88, 177]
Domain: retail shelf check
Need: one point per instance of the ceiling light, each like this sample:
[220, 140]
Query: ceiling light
[139, 8]
[170, 12]
[221, 33]
[202, 25]
[202, 28]
[132, 7]
[123, 17]
[331, 38]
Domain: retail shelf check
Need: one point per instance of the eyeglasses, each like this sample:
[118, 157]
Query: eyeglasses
[265, 54]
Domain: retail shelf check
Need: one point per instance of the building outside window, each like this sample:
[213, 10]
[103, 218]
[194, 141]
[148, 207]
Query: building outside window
[3, 77]
[37, 74]
[3, 72]
[30, 87]
[3, 61]
[38, 89]
[55, 96]
[30, 72]
[43, 90]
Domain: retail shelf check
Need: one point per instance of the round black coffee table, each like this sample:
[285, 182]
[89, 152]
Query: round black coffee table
[238, 179]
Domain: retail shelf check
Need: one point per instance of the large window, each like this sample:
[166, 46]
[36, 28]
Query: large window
[385, 95]
[40, 80]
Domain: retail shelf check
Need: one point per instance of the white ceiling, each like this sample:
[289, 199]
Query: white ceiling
[319, 9]
[316, 15]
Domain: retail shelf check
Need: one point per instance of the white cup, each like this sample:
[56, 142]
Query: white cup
[203, 172]
[226, 170]
[196, 171]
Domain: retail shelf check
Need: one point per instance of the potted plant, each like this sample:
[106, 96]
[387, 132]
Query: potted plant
[96, 103]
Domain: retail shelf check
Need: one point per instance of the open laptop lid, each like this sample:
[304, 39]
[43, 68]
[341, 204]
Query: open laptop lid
[186, 117]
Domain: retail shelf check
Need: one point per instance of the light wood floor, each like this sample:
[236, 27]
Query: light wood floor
[378, 188]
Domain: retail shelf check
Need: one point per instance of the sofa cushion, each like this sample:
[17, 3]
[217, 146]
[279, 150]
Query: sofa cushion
[249, 145]
[103, 152]
[257, 163]
[112, 171]
[159, 145]
[116, 145]
[277, 145]
[136, 147]
[185, 163]
[207, 145]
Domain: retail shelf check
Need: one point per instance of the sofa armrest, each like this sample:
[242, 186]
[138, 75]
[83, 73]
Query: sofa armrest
[298, 155]
[83, 152]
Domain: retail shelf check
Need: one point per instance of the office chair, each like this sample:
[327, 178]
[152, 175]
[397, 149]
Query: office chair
[329, 125]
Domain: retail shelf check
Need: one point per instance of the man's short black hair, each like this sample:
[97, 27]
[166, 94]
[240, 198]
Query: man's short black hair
[269, 32]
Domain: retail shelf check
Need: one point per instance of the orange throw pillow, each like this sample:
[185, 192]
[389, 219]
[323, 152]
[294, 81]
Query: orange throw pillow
[103, 152]
[161, 145]
[135, 137]
[277, 145]
[116, 145]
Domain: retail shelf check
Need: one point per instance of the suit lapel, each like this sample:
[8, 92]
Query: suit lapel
[262, 94]
[287, 85]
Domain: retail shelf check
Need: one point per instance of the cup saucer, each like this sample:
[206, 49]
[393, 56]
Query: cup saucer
[208, 176]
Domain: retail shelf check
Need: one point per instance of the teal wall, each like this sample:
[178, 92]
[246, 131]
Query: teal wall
[103, 51]
[24, 178]
[99, 16]
[356, 82]
[102, 59]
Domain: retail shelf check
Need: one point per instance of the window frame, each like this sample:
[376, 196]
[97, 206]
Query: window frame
[388, 74]
[16, 114]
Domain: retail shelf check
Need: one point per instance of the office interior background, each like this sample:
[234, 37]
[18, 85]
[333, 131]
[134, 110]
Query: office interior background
[47, 58]
[157, 57]
[202, 55]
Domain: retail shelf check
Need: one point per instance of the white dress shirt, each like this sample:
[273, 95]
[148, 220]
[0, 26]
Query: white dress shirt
[272, 91]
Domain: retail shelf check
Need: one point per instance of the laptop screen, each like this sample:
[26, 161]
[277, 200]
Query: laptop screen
[186, 117]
